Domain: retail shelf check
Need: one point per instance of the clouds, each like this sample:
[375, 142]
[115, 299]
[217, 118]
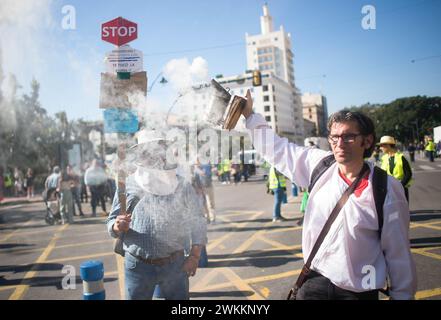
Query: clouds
[183, 74]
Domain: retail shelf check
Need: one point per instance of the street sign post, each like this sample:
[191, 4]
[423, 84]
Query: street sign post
[115, 93]
[123, 59]
[119, 31]
[120, 121]
[124, 77]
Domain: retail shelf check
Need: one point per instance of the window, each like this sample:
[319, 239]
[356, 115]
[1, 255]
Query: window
[266, 108]
[309, 110]
[275, 108]
[274, 98]
[265, 88]
[265, 98]
[268, 118]
[310, 117]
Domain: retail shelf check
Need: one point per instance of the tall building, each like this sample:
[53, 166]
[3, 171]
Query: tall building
[270, 51]
[277, 98]
[315, 109]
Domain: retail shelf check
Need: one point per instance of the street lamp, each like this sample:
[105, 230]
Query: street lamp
[163, 81]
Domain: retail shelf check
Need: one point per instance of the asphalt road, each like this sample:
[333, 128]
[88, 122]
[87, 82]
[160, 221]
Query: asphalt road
[249, 256]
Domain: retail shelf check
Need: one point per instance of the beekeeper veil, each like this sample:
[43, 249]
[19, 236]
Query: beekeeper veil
[155, 165]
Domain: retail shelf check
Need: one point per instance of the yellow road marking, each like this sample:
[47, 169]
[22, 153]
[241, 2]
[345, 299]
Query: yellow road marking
[430, 225]
[230, 234]
[7, 288]
[274, 243]
[11, 234]
[428, 293]
[277, 276]
[121, 277]
[217, 242]
[265, 292]
[89, 256]
[427, 254]
[201, 284]
[240, 284]
[239, 213]
[284, 229]
[22, 251]
[21, 290]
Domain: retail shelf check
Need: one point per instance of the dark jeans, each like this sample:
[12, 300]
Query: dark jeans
[98, 193]
[76, 199]
[83, 193]
[318, 287]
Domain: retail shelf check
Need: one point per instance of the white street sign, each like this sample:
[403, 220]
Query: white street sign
[123, 59]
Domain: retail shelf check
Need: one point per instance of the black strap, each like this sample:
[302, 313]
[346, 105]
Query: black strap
[340, 203]
[318, 171]
[379, 186]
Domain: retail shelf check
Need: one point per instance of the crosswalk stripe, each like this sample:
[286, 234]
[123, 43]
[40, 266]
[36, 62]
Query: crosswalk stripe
[425, 167]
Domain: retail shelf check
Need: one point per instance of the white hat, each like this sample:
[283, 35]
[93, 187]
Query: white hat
[387, 140]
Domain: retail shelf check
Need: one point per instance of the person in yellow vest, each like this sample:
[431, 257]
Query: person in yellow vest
[226, 168]
[430, 149]
[395, 164]
[277, 185]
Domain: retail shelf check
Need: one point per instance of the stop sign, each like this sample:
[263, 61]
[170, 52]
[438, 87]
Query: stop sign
[119, 31]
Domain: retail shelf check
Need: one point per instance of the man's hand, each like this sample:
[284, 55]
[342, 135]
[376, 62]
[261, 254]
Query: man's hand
[248, 109]
[122, 223]
[192, 262]
[191, 265]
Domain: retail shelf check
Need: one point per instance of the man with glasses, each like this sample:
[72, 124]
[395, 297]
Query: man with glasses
[355, 257]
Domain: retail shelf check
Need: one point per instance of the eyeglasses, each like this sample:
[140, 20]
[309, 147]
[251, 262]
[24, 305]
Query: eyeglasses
[347, 138]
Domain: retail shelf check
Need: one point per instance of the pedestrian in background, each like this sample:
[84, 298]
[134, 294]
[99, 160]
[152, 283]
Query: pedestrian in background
[96, 180]
[411, 149]
[75, 190]
[430, 149]
[395, 164]
[18, 182]
[2, 184]
[29, 183]
[64, 188]
[277, 186]
[83, 193]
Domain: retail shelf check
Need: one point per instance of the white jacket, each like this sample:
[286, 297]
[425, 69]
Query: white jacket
[351, 255]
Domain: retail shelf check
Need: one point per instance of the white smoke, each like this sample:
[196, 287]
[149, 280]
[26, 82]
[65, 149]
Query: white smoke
[182, 74]
[24, 28]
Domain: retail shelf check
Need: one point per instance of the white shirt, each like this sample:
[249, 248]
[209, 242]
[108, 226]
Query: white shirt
[351, 256]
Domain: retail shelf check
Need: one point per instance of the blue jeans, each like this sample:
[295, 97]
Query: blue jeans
[141, 279]
[295, 190]
[278, 199]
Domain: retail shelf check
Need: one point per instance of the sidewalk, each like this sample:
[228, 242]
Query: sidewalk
[10, 201]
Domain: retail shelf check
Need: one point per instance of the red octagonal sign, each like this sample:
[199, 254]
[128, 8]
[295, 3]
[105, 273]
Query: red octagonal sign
[119, 31]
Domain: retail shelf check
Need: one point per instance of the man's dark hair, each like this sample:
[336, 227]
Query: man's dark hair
[365, 125]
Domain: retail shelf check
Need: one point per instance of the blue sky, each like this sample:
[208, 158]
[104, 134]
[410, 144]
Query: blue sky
[333, 54]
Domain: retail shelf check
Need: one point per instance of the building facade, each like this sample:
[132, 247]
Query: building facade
[315, 109]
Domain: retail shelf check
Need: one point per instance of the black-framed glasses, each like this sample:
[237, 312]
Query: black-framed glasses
[347, 137]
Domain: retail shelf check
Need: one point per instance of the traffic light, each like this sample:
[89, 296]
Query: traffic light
[257, 78]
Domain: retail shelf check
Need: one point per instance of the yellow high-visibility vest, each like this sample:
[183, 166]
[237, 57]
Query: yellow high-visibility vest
[274, 182]
[430, 146]
[398, 172]
[226, 165]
